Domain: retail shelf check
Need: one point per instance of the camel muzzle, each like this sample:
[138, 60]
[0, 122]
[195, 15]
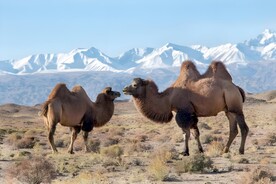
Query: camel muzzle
[118, 94]
[126, 91]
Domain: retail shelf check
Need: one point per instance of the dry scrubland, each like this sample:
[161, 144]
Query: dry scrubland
[131, 149]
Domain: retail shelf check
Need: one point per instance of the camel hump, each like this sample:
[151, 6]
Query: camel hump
[188, 73]
[77, 88]
[217, 70]
[59, 90]
[189, 69]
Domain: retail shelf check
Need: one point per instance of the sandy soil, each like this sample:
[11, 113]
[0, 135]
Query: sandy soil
[139, 142]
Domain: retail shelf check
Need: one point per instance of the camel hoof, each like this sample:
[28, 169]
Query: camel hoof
[71, 152]
[185, 154]
[241, 152]
[225, 150]
[201, 150]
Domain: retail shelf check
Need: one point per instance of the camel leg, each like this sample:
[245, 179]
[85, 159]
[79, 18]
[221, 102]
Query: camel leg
[233, 130]
[75, 131]
[196, 134]
[186, 137]
[185, 121]
[85, 138]
[244, 131]
[51, 132]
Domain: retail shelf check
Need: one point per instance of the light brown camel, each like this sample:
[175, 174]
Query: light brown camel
[204, 97]
[74, 109]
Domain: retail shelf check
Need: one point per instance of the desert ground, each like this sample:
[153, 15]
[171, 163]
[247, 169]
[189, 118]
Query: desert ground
[132, 149]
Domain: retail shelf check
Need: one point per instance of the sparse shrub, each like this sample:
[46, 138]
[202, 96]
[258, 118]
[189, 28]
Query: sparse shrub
[3, 132]
[94, 146]
[60, 143]
[111, 162]
[118, 131]
[214, 149]
[259, 175]
[137, 162]
[24, 154]
[204, 126]
[158, 168]
[113, 151]
[138, 147]
[243, 161]
[13, 138]
[20, 142]
[240, 159]
[142, 138]
[207, 139]
[26, 142]
[271, 139]
[111, 141]
[195, 163]
[34, 171]
[88, 178]
[30, 133]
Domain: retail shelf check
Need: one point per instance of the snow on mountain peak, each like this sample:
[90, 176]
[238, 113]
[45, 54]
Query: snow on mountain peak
[263, 39]
[268, 37]
[263, 47]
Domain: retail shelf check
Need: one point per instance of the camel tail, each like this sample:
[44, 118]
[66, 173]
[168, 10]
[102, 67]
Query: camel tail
[44, 109]
[242, 93]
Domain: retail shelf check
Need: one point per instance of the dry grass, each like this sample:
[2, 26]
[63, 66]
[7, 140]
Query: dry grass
[132, 149]
[35, 170]
[95, 177]
[195, 164]
[113, 151]
[157, 167]
[214, 149]
[258, 175]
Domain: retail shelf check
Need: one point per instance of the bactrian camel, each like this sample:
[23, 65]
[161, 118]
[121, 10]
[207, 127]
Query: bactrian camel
[191, 96]
[74, 109]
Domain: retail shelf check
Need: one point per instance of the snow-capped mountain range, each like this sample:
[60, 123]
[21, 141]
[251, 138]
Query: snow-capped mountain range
[252, 64]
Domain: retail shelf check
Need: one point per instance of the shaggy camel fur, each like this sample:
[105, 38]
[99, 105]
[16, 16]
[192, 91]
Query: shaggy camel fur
[75, 110]
[201, 98]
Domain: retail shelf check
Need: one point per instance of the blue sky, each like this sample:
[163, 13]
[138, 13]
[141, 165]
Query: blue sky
[114, 26]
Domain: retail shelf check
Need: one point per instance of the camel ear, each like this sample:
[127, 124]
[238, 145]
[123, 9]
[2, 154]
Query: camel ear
[145, 82]
[107, 89]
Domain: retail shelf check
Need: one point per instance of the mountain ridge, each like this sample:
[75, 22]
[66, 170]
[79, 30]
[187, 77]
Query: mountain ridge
[261, 48]
[28, 81]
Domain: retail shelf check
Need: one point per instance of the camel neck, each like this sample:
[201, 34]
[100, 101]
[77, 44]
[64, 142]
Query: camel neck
[102, 112]
[154, 105]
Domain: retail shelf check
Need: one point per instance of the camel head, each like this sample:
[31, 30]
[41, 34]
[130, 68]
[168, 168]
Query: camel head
[137, 87]
[111, 94]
